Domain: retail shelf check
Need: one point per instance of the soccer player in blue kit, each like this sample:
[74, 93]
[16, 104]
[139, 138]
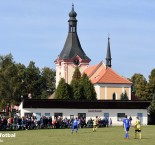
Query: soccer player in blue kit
[75, 125]
[126, 125]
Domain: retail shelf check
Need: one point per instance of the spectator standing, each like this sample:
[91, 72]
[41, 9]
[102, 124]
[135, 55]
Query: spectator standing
[130, 118]
[110, 122]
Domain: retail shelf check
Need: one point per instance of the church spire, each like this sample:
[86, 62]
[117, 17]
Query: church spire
[108, 56]
[72, 20]
[72, 47]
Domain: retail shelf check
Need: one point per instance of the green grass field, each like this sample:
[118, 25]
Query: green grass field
[85, 136]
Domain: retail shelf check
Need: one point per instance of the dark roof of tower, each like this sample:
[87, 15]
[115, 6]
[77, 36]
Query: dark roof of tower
[108, 56]
[72, 48]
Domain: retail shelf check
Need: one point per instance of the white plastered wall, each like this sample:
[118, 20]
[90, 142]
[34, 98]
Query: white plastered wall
[90, 113]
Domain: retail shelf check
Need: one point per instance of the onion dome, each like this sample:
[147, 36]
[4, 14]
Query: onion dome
[72, 13]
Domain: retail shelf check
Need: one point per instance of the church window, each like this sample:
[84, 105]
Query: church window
[76, 62]
[114, 96]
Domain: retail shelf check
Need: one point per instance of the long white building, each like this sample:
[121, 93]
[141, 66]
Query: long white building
[116, 110]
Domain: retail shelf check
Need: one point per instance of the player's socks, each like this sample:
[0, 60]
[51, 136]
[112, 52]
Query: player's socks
[140, 135]
[126, 135]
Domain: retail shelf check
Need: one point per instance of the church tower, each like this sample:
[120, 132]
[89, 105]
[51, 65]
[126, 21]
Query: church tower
[108, 56]
[72, 54]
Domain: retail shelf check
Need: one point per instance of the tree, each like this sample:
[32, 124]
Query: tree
[151, 110]
[32, 80]
[8, 81]
[16, 80]
[21, 91]
[124, 96]
[48, 82]
[88, 88]
[140, 86]
[151, 84]
[77, 90]
[76, 74]
[63, 90]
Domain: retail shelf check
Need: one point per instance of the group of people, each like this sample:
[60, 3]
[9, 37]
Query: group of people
[31, 122]
[45, 122]
[127, 125]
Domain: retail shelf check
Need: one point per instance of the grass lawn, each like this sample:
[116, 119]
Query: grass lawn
[103, 136]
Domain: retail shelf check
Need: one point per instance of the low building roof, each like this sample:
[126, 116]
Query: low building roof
[84, 104]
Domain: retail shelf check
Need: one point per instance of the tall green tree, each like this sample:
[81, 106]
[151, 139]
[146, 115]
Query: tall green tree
[21, 90]
[88, 88]
[76, 74]
[33, 81]
[48, 82]
[140, 86]
[151, 111]
[151, 84]
[8, 80]
[63, 90]
[77, 90]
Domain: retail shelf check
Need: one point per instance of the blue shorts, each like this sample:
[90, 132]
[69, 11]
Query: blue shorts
[75, 127]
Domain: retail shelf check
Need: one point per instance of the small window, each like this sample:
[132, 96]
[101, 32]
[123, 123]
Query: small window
[56, 115]
[71, 116]
[140, 115]
[106, 115]
[114, 96]
[47, 114]
[82, 115]
[120, 116]
[38, 116]
[28, 114]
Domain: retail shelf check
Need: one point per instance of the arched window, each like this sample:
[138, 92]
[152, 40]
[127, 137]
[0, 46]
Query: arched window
[114, 96]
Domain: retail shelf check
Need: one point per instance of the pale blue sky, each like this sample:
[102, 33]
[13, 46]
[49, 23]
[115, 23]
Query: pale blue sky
[37, 29]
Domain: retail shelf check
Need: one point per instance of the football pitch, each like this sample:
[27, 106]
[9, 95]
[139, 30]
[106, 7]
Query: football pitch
[85, 136]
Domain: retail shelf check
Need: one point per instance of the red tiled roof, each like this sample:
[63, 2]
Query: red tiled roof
[109, 76]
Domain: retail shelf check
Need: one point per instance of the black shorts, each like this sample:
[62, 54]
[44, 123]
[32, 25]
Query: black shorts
[127, 129]
[138, 130]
